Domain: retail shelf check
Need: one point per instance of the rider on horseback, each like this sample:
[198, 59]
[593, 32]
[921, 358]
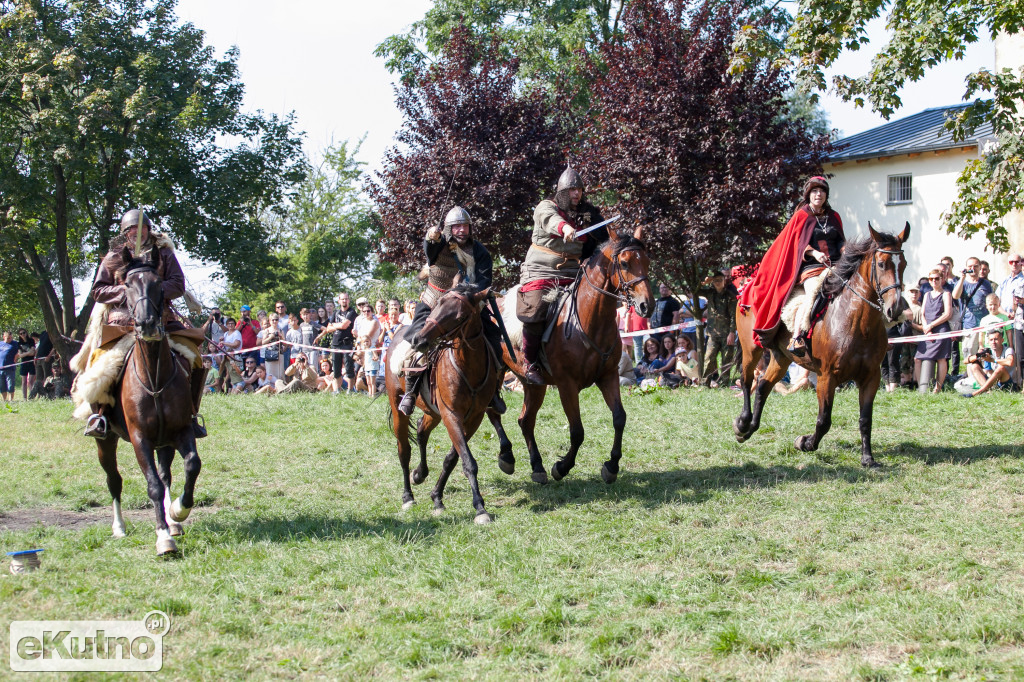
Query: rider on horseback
[554, 259]
[108, 290]
[451, 252]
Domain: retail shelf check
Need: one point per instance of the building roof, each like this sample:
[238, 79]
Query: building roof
[921, 132]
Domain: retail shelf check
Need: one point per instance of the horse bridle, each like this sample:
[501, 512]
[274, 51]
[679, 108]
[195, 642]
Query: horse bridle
[144, 267]
[623, 291]
[874, 280]
[446, 341]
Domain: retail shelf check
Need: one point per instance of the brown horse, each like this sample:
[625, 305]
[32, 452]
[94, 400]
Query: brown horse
[464, 377]
[585, 348]
[152, 410]
[848, 342]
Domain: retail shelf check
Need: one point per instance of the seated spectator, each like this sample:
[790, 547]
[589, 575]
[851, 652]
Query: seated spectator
[626, 376]
[988, 367]
[213, 384]
[57, 385]
[264, 382]
[325, 380]
[304, 377]
[247, 379]
[650, 367]
[686, 360]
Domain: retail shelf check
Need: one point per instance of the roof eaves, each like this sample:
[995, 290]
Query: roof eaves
[878, 153]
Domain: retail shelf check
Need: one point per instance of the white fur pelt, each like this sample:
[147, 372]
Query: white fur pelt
[92, 386]
[397, 355]
[508, 315]
[93, 333]
[796, 314]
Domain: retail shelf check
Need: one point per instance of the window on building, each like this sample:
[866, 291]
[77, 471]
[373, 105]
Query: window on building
[900, 187]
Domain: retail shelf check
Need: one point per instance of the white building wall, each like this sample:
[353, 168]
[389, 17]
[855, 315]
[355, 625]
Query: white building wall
[858, 192]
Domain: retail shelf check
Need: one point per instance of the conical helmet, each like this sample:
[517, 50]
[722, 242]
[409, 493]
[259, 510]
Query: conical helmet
[131, 218]
[457, 216]
[569, 179]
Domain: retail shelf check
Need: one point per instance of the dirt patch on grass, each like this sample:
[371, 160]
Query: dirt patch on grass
[26, 519]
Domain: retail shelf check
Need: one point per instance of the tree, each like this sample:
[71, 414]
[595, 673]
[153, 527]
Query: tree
[106, 104]
[921, 36]
[469, 138]
[705, 161]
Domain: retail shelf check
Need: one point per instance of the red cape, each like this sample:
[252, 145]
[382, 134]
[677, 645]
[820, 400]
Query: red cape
[768, 290]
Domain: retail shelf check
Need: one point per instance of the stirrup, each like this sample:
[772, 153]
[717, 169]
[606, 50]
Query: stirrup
[198, 426]
[96, 426]
[531, 374]
[797, 347]
[498, 403]
[408, 403]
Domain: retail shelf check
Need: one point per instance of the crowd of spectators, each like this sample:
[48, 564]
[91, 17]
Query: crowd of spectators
[34, 359]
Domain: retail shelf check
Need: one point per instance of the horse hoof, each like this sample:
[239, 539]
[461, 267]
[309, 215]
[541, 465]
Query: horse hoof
[175, 529]
[607, 475]
[178, 512]
[416, 477]
[556, 473]
[118, 531]
[482, 519]
[507, 466]
[802, 443]
[408, 504]
[438, 510]
[870, 464]
[539, 477]
[166, 546]
[741, 439]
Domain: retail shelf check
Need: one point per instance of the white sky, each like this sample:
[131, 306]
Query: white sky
[315, 57]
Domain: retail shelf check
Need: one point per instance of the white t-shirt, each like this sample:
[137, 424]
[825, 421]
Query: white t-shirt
[233, 340]
[365, 330]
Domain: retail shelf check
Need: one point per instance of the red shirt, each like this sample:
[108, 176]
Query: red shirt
[248, 330]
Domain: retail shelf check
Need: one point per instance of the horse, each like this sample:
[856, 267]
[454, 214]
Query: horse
[152, 410]
[848, 342]
[585, 348]
[464, 376]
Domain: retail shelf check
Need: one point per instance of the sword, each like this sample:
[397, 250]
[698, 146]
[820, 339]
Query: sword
[600, 224]
[138, 234]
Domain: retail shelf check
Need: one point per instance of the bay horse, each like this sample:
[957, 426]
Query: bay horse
[847, 344]
[464, 376]
[152, 409]
[585, 348]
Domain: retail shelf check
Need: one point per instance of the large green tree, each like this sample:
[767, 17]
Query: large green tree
[920, 35]
[107, 104]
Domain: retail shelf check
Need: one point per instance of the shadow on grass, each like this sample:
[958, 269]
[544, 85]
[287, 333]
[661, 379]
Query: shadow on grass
[931, 454]
[306, 527]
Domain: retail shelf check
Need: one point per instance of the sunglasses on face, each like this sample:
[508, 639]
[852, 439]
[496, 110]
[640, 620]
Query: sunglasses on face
[1014, 262]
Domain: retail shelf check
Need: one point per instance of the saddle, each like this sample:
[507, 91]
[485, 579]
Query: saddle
[561, 296]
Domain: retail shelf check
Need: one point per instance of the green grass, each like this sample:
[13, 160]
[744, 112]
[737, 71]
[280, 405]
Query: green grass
[706, 559]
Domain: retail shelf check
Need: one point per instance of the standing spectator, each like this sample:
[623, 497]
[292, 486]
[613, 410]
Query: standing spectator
[271, 348]
[938, 308]
[994, 315]
[248, 328]
[988, 367]
[27, 356]
[984, 270]
[665, 310]
[971, 291]
[214, 328]
[8, 356]
[630, 321]
[1011, 287]
[410, 310]
[343, 339]
[721, 328]
[955, 318]
[294, 333]
[951, 278]
[304, 378]
[45, 353]
[321, 318]
[393, 325]
[282, 326]
[309, 334]
[367, 330]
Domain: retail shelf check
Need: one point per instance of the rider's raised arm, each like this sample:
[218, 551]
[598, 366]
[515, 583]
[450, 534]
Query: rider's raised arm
[547, 217]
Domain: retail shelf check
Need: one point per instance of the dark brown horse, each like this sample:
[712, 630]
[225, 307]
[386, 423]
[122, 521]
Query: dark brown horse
[848, 342]
[152, 410]
[585, 348]
[464, 378]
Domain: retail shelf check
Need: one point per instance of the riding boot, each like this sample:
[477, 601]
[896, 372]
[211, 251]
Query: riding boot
[797, 346]
[96, 425]
[198, 384]
[497, 402]
[531, 351]
[412, 388]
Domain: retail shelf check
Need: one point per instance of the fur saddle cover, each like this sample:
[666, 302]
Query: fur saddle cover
[514, 326]
[98, 367]
[796, 314]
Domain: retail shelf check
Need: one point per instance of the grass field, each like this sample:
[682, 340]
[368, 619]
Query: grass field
[706, 559]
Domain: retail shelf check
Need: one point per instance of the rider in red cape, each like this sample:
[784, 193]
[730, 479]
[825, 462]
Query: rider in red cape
[809, 241]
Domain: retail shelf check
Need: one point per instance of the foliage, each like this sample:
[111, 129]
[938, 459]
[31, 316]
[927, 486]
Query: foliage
[705, 560]
[705, 161]
[921, 35]
[469, 138]
[106, 104]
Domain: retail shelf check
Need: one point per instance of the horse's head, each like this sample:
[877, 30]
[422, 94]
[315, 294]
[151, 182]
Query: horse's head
[143, 294]
[452, 315]
[628, 273]
[887, 264]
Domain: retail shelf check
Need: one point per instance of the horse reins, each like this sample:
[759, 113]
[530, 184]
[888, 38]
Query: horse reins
[874, 281]
[627, 298]
[447, 341]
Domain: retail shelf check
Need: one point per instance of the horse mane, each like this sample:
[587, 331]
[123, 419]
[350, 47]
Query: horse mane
[626, 243]
[466, 288]
[853, 254]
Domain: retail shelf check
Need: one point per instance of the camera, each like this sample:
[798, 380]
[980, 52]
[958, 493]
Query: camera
[984, 353]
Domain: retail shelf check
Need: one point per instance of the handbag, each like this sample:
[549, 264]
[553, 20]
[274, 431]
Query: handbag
[271, 353]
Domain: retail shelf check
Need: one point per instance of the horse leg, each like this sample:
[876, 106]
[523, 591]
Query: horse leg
[613, 398]
[533, 398]
[460, 434]
[447, 468]
[107, 450]
[164, 458]
[181, 507]
[426, 424]
[773, 375]
[751, 358]
[506, 460]
[570, 397]
[155, 488]
[826, 396]
[868, 388]
[401, 424]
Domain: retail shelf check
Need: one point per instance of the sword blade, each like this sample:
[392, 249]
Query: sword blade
[600, 224]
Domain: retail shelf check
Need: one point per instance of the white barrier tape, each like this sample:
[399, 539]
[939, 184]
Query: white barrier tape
[948, 335]
[294, 345]
[682, 326]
